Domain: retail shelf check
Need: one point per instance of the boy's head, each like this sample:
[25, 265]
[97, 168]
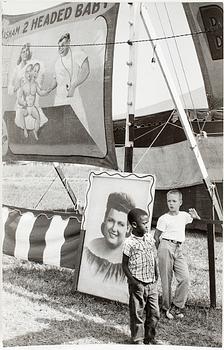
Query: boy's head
[115, 225]
[174, 201]
[138, 219]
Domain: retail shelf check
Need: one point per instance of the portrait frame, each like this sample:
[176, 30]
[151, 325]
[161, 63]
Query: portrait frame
[99, 268]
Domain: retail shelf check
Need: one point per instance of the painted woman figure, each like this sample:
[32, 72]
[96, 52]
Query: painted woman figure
[28, 93]
[15, 84]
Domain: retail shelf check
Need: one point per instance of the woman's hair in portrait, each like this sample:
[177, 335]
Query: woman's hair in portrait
[120, 201]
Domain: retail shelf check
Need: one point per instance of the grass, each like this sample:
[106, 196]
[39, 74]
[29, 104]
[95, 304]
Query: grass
[40, 307]
[40, 186]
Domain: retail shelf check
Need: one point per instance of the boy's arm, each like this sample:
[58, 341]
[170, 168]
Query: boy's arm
[126, 270]
[157, 235]
[156, 270]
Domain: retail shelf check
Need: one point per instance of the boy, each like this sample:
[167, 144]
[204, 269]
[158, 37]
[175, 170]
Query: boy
[140, 268]
[169, 236]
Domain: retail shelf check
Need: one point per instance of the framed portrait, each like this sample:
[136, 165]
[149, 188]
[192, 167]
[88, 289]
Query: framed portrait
[110, 196]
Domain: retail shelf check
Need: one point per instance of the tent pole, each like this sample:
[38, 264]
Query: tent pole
[176, 99]
[66, 184]
[129, 129]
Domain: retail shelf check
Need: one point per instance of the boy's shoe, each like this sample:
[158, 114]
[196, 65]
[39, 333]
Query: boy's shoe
[174, 312]
[138, 342]
[154, 342]
[169, 315]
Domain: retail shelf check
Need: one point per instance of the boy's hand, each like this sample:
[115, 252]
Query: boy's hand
[194, 214]
[156, 271]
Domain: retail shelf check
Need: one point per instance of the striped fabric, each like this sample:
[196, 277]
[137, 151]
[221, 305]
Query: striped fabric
[44, 237]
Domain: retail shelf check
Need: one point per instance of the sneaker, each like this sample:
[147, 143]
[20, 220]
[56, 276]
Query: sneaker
[169, 315]
[138, 342]
[174, 312]
[154, 342]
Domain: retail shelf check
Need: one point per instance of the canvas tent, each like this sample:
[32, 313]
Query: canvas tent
[194, 61]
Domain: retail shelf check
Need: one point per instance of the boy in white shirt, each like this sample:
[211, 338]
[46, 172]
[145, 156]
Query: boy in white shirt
[169, 236]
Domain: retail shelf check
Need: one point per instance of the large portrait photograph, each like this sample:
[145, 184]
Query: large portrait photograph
[105, 227]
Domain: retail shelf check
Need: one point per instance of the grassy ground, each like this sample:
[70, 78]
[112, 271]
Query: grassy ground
[40, 186]
[39, 306]
[41, 309]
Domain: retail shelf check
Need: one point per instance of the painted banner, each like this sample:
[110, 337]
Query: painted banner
[44, 237]
[57, 84]
[207, 18]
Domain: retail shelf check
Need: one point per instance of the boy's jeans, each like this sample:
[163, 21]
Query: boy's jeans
[172, 260]
[143, 297]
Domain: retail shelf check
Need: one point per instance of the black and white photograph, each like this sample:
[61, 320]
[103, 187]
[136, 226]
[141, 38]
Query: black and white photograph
[112, 175]
[106, 227]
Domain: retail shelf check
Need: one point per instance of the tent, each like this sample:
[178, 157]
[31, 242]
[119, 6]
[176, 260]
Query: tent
[192, 45]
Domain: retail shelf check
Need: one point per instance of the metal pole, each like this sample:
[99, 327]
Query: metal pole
[176, 99]
[129, 130]
[66, 184]
[211, 263]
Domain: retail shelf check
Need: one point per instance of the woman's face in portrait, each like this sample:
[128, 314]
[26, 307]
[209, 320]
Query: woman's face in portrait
[115, 228]
[25, 53]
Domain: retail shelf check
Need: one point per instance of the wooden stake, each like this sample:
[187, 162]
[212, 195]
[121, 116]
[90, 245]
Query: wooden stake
[211, 263]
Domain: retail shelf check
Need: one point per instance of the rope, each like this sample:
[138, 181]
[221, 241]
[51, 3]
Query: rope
[217, 196]
[148, 132]
[45, 192]
[175, 71]
[153, 141]
[181, 62]
[183, 70]
[180, 127]
[125, 42]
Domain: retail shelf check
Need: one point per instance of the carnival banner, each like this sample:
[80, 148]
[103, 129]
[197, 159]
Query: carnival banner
[57, 84]
[207, 18]
[44, 237]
